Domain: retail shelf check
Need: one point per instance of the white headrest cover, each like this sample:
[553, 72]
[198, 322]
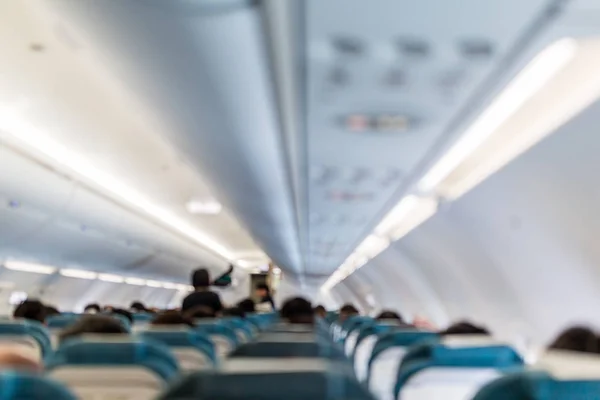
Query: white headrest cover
[470, 341]
[570, 365]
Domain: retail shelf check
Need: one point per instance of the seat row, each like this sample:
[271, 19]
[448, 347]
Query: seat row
[396, 362]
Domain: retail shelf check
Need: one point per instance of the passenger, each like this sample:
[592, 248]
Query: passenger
[92, 309]
[102, 324]
[298, 311]
[234, 312]
[11, 358]
[247, 305]
[32, 310]
[577, 338]
[51, 311]
[347, 311]
[388, 314]
[202, 296]
[320, 311]
[200, 312]
[172, 318]
[265, 300]
[138, 307]
[465, 328]
[124, 313]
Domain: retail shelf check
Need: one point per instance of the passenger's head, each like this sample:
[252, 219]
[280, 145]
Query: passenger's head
[137, 306]
[298, 311]
[234, 312]
[388, 314]
[32, 310]
[262, 290]
[51, 311]
[172, 318]
[320, 311]
[465, 328]
[347, 310]
[201, 312]
[247, 305]
[92, 309]
[201, 279]
[101, 324]
[125, 313]
[577, 338]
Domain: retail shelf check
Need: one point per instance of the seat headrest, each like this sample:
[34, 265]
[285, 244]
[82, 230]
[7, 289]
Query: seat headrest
[182, 337]
[94, 350]
[569, 365]
[28, 328]
[470, 341]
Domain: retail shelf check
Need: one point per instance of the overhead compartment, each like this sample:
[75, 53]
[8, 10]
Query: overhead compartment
[201, 68]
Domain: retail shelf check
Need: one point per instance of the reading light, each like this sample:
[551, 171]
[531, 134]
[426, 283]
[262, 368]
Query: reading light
[111, 278]
[21, 132]
[29, 267]
[77, 273]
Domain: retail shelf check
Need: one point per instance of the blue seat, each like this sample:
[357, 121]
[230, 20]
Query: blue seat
[192, 348]
[28, 333]
[224, 337]
[142, 317]
[240, 325]
[114, 366]
[386, 356]
[365, 342]
[22, 386]
[305, 345]
[62, 321]
[457, 371]
[272, 379]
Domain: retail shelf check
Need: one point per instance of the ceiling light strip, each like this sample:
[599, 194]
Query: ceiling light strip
[16, 128]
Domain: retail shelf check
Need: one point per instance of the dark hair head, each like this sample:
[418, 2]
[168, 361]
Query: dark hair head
[234, 312]
[298, 311]
[247, 305]
[577, 338]
[388, 314]
[263, 286]
[51, 311]
[348, 309]
[200, 278]
[124, 313]
[172, 318]
[320, 311]
[465, 328]
[200, 312]
[31, 309]
[137, 306]
[92, 307]
[103, 324]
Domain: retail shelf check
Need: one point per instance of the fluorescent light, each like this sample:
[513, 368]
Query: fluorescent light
[78, 273]
[17, 128]
[29, 267]
[154, 284]
[169, 285]
[111, 278]
[372, 246]
[135, 281]
[556, 85]
[210, 207]
[421, 210]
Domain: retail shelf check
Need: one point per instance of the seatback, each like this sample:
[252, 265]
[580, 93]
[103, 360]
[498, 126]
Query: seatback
[96, 367]
[365, 343]
[31, 337]
[558, 375]
[453, 370]
[350, 330]
[386, 356]
[193, 349]
[272, 379]
[23, 386]
[242, 328]
[224, 337]
[279, 344]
